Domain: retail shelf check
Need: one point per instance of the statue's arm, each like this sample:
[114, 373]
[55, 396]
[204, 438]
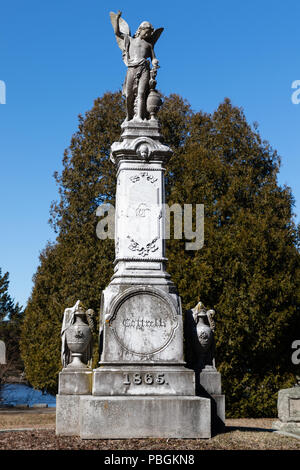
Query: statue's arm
[153, 58]
[115, 23]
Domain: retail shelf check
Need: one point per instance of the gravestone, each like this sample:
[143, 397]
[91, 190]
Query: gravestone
[142, 387]
[288, 406]
[2, 353]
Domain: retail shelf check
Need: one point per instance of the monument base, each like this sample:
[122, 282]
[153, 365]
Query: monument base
[120, 417]
[288, 406]
[290, 428]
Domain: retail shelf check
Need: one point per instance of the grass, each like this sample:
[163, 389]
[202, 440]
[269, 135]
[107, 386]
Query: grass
[240, 434]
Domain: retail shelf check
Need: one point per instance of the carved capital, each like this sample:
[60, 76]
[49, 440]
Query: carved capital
[141, 149]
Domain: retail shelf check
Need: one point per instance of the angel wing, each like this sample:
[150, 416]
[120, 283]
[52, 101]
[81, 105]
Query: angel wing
[123, 27]
[155, 36]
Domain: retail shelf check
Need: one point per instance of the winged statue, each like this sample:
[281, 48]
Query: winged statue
[136, 50]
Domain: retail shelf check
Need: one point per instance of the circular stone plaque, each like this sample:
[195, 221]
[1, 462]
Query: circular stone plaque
[143, 322]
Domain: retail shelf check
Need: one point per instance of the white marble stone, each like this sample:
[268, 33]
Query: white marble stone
[2, 353]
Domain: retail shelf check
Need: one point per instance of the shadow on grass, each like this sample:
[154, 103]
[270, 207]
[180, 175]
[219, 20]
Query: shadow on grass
[246, 429]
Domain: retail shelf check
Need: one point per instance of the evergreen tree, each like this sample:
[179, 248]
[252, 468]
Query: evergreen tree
[6, 303]
[247, 270]
[10, 328]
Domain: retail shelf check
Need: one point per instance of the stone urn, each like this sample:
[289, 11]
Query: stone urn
[153, 103]
[78, 337]
[204, 333]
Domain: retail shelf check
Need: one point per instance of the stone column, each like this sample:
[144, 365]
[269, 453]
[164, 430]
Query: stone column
[141, 318]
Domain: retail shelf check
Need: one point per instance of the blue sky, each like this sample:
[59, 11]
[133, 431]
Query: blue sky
[57, 56]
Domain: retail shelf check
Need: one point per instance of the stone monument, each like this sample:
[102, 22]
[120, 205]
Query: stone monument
[288, 406]
[142, 387]
[2, 353]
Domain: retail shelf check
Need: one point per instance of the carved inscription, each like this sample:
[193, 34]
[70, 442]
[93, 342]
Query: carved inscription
[141, 323]
[142, 210]
[147, 378]
[144, 323]
[145, 175]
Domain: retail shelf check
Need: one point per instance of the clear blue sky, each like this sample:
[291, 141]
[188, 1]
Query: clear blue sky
[57, 56]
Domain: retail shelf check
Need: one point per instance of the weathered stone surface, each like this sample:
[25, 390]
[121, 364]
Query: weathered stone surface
[67, 415]
[2, 353]
[141, 417]
[142, 323]
[290, 427]
[143, 380]
[288, 405]
[210, 380]
[75, 382]
[218, 413]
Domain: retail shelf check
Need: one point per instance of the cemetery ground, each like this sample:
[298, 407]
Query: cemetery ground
[34, 429]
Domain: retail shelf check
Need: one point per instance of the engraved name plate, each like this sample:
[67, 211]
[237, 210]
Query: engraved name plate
[144, 322]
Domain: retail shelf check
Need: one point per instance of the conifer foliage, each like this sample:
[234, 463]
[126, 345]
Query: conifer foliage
[247, 270]
[10, 329]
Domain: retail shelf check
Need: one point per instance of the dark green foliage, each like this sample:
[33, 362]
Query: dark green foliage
[10, 329]
[247, 270]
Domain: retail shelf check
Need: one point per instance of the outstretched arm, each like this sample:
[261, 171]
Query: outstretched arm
[116, 25]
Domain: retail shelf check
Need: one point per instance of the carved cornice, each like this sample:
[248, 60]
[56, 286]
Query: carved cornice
[141, 149]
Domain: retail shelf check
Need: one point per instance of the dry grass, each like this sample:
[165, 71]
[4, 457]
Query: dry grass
[28, 419]
[240, 434]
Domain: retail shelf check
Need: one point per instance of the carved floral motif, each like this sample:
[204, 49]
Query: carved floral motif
[143, 174]
[143, 250]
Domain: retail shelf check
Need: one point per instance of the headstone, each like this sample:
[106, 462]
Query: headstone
[288, 405]
[2, 353]
[142, 387]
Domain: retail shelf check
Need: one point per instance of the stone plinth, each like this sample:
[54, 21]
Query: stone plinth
[210, 386]
[67, 415]
[75, 382]
[133, 417]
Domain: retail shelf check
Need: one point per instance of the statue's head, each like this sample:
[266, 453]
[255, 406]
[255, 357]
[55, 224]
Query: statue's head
[145, 30]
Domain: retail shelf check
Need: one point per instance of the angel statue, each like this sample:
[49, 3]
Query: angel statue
[135, 51]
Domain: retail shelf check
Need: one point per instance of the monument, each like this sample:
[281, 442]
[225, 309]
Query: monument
[142, 387]
[288, 406]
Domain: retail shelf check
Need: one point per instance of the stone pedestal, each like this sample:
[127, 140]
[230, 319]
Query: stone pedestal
[210, 384]
[75, 382]
[288, 405]
[141, 417]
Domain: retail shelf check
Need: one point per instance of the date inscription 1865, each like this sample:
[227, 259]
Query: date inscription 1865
[147, 378]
